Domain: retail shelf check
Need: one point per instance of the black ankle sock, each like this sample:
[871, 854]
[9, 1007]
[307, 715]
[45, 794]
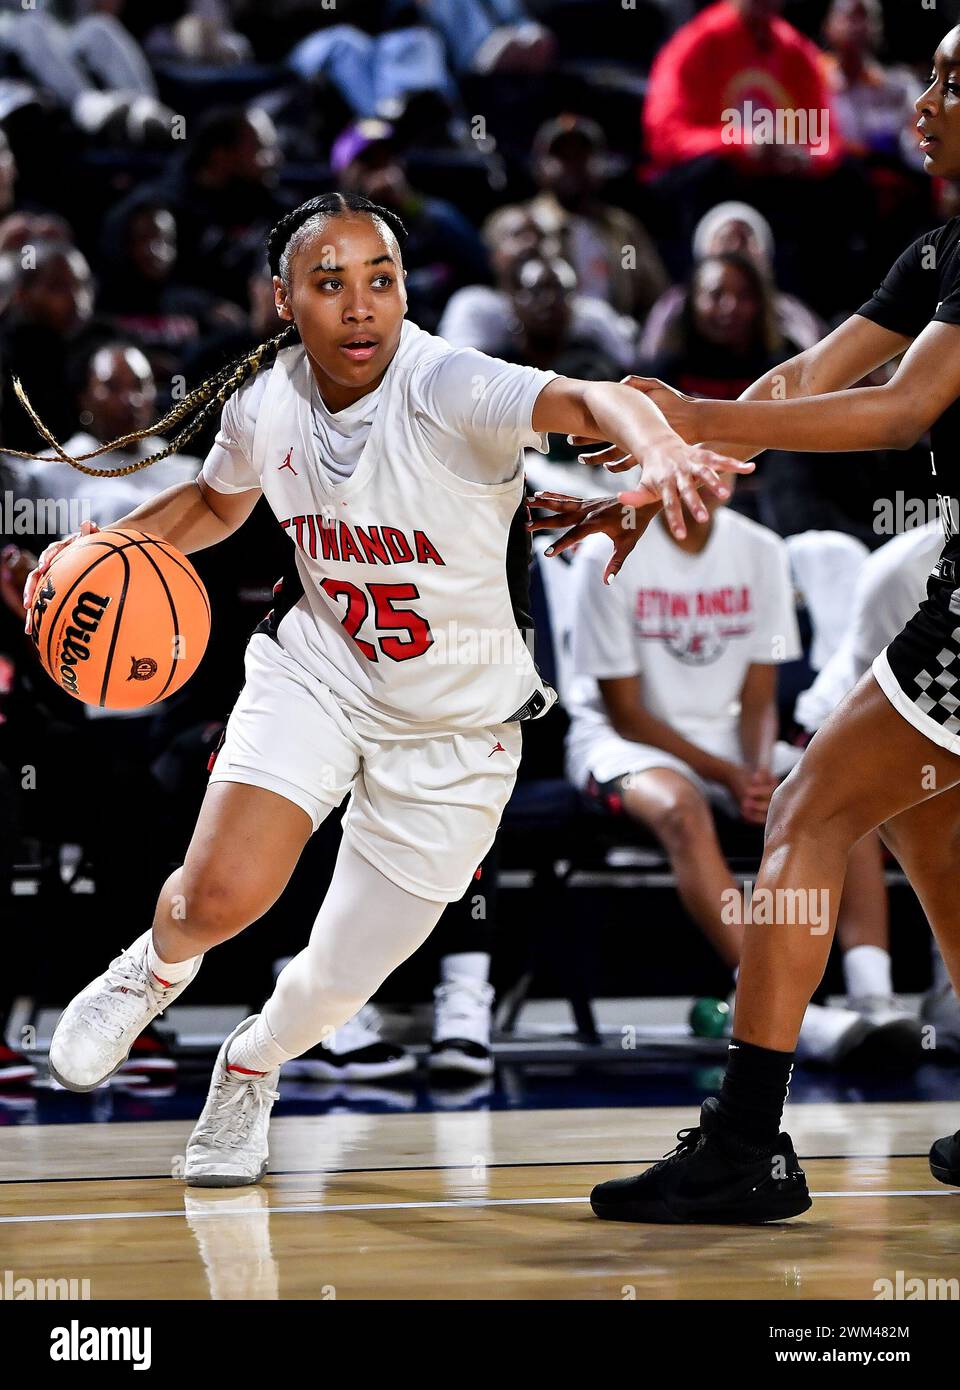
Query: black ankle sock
[754, 1091]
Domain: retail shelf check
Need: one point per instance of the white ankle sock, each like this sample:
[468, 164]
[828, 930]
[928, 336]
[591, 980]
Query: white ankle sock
[256, 1049]
[866, 970]
[165, 971]
[465, 965]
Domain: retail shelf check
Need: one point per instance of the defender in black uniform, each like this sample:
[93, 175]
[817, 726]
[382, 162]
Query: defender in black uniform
[888, 757]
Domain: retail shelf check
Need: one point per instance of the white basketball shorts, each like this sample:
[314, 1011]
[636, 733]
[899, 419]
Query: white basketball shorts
[603, 755]
[424, 805]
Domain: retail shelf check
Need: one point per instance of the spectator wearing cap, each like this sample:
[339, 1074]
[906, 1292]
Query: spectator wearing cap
[541, 294]
[740, 229]
[443, 251]
[613, 256]
[484, 317]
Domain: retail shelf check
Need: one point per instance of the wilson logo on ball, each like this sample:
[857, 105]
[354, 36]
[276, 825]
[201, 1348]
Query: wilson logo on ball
[142, 668]
[84, 621]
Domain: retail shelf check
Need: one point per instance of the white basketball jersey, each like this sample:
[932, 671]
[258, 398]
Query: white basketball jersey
[406, 591]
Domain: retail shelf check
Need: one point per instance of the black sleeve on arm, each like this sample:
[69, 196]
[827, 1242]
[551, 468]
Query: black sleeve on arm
[948, 310]
[907, 300]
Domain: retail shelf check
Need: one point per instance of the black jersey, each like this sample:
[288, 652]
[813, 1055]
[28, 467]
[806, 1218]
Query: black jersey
[923, 287]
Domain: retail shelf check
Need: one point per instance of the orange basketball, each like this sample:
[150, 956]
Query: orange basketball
[121, 619]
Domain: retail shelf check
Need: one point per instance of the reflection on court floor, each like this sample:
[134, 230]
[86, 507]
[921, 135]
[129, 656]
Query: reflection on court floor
[470, 1204]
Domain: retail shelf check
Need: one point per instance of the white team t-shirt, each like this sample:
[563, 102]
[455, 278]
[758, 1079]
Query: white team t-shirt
[689, 625]
[408, 554]
[103, 500]
[481, 317]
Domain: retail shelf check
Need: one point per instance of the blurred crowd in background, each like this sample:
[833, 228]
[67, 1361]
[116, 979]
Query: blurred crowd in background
[573, 202]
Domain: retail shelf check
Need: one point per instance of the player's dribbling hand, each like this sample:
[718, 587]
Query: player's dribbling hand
[589, 517]
[35, 577]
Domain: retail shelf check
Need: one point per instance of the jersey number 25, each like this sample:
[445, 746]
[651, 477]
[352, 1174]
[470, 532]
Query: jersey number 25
[386, 617]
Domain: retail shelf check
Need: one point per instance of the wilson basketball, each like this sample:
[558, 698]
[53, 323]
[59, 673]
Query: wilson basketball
[121, 620]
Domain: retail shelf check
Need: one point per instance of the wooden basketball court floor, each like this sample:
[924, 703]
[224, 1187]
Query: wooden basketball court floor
[468, 1205]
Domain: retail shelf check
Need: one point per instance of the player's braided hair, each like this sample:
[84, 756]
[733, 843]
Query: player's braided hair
[198, 406]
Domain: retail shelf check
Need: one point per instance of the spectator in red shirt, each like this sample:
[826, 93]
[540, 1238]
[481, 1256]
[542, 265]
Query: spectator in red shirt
[738, 106]
[717, 82]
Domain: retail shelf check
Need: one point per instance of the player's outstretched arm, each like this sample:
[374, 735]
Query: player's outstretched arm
[671, 470]
[851, 352]
[810, 409]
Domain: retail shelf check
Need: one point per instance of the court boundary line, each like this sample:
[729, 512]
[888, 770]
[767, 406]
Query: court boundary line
[339, 1208]
[435, 1168]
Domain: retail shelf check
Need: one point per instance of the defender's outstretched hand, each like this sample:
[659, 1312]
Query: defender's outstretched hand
[672, 471]
[673, 474]
[674, 467]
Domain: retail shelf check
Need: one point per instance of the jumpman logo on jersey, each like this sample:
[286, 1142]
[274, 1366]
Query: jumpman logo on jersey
[287, 464]
[497, 748]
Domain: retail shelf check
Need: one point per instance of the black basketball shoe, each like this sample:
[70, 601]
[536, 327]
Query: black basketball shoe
[945, 1160]
[710, 1178]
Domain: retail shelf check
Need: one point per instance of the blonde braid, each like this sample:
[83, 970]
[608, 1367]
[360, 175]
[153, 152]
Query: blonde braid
[201, 402]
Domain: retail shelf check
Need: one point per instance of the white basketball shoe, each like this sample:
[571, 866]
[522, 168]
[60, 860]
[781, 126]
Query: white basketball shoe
[461, 1027]
[228, 1147]
[97, 1029]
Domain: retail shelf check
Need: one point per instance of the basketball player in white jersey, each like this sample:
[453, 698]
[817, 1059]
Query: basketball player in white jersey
[391, 668]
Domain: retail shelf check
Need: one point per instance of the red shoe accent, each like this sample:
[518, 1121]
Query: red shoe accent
[245, 1071]
[166, 983]
[149, 1059]
[14, 1067]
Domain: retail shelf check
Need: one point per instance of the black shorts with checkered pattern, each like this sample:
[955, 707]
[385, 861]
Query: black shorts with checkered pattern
[924, 658]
